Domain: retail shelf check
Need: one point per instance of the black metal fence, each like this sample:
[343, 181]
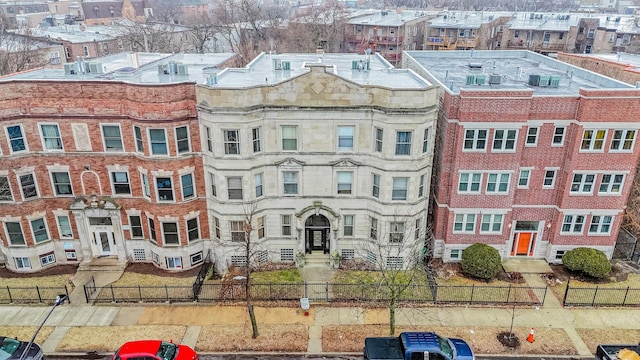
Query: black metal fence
[90, 289]
[324, 292]
[31, 295]
[627, 247]
[601, 296]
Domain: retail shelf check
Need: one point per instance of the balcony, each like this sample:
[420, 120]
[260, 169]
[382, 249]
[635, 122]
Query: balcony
[438, 41]
[466, 42]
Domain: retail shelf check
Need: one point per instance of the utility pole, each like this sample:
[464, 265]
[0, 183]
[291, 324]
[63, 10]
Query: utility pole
[59, 300]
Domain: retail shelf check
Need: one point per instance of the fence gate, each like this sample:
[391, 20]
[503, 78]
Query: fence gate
[626, 247]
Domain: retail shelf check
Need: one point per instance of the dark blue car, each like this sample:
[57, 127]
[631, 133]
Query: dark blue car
[417, 346]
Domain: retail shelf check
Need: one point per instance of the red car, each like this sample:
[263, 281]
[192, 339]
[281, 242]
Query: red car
[154, 349]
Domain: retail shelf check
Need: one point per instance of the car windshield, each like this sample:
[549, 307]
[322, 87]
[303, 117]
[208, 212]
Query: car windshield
[167, 351]
[9, 346]
[445, 347]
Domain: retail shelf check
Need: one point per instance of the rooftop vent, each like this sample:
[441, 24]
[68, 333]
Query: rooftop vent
[360, 65]
[173, 69]
[96, 68]
[475, 65]
[495, 79]
[71, 69]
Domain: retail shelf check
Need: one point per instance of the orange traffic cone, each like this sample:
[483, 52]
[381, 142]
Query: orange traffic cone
[530, 337]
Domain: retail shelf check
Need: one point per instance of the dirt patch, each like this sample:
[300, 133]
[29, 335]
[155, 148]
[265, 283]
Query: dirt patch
[150, 269]
[619, 273]
[271, 338]
[447, 271]
[509, 340]
[593, 337]
[50, 271]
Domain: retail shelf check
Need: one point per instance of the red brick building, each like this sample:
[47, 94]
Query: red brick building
[96, 163]
[534, 156]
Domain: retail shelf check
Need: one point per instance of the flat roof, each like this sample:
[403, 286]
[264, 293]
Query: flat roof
[544, 21]
[389, 17]
[631, 60]
[262, 71]
[513, 67]
[74, 34]
[467, 19]
[135, 68]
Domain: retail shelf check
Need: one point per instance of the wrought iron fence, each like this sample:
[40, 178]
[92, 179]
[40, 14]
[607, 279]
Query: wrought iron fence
[325, 292]
[601, 296]
[31, 295]
[627, 247]
[90, 289]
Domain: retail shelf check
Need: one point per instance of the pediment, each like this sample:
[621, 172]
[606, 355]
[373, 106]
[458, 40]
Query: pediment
[345, 163]
[290, 162]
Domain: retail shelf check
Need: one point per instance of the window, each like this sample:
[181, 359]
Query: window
[174, 263]
[600, 224]
[207, 132]
[399, 191]
[145, 185]
[416, 233]
[28, 185]
[165, 188]
[234, 188]
[464, 223]
[591, 33]
[260, 227]
[421, 186]
[152, 230]
[560, 254]
[347, 228]
[137, 133]
[582, 183]
[214, 190]
[345, 178]
[49, 258]
[455, 254]
[532, 136]
[216, 226]
[623, 140]
[572, 224]
[286, 225]
[504, 140]
[258, 180]
[197, 258]
[475, 139]
[523, 178]
[193, 230]
[158, 140]
[290, 182]
[289, 138]
[558, 136]
[498, 183]
[593, 140]
[256, 139]
[15, 234]
[345, 138]
[170, 233]
[61, 183]
[237, 231]
[549, 178]
[611, 184]
[112, 138]
[378, 143]
[22, 263]
[375, 192]
[51, 136]
[469, 183]
[403, 142]
[39, 228]
[231, 142]
[64, 227]
[5, 189]
[16, 138]
[187, 186]
[135, 224]
[396, 232]
[373, 228]
[120, 180]
[182, 139]
[425, 141]
[491, 223]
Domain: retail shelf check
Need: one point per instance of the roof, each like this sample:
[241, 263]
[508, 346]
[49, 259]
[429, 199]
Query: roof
[512, 67]
[632, 60]
[104, 9]
[262, 70]
[466, 19]
[544, 21]
[152, 68]
[390, 17]
[420, 341]
[75, 34]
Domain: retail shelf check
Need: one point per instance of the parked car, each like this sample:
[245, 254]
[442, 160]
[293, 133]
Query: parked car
[618, 352]
[12, 349]
[416, 346]
[154, 349]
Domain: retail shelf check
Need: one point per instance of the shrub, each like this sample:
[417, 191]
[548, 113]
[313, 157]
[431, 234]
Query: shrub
[589, 261]
[481, 261]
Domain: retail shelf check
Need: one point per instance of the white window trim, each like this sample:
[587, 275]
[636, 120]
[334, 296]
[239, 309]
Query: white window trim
[35, 182]
[497, 190]
[6, 231]
[609, 192]
[225, 142]
[351, 183]
[573, 224]
[555, 177]
[165, 221]
[24, 139]
[469, 191]
[135, 139]
[44, 146]
[257, 140]
[175, 135]
[593, 141]
[298, 137]
[582, 184]
[298, 181]
[46, 228]
[257, 176]
[504, 139]
[146, 191]
[564, 136]
[475, 140]
[193, 185]
[537, 136]
[492, 222]
[113, 185]
[622, 141]
[354, 141]
[526, 186]
[465, 221]
[242, 188]
[53, 185]
[104, 142]
[150, 143]
[599, 232]
[406, 188]
[186, 227]
[173, 189]
[352, 225]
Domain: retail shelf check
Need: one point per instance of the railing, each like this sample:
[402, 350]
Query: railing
[31, 295]
[202, 274]
[90, 289]
[600, 296]
[325, 292]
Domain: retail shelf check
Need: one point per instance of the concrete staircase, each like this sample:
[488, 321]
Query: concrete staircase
[105, 263]
[103, 270]
[317, 260]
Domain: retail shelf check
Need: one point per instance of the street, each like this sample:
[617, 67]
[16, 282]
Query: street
[301, 357]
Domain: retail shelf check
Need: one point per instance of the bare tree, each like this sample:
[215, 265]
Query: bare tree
[166, 11]
[320, 27]
[399, 257]
[19, 52]
[631, 219]
[151, 37]
[202, 32]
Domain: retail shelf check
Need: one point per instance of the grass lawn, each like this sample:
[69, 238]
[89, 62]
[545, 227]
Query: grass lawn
[285, 276]
[370, 285]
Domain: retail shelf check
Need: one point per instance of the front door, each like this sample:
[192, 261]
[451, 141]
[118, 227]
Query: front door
[317, 239]
[317, 229]
[524, 238]
[104, 239]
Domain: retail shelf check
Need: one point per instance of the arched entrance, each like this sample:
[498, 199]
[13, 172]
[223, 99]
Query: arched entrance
[316, 234]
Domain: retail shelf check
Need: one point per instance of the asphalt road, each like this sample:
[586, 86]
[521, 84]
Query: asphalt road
[298, 357]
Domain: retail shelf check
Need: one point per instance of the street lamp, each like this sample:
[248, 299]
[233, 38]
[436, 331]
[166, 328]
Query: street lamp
[61, 298]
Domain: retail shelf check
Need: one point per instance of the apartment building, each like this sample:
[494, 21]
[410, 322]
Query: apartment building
[620, 66]
[78, 40]
[534, 156]
[104, 158]
[463, 30]
[386, 32]
[541, 32]
[329, 153]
